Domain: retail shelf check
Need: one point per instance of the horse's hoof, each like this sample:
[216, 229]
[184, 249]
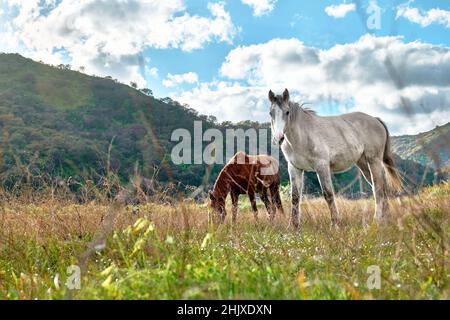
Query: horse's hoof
[382, 222]
[335, 223]
[294, 225]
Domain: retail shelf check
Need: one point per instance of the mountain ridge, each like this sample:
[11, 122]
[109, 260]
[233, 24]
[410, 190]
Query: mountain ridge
[58, 122]
[430, 148]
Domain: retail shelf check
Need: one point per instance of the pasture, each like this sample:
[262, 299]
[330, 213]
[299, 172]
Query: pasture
[169, 251]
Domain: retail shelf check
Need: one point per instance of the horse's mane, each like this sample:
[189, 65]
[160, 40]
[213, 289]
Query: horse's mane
[302, 108]
[224, 174]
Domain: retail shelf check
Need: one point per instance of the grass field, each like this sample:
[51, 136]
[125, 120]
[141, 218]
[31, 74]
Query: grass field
[168, 251]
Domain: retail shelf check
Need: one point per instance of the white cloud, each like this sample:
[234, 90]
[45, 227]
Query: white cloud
[352, 75]
[228, 101]
[423, 18]
[152, 72]
[260, 7]
[340, 10]
[177, 79]
[111, 43]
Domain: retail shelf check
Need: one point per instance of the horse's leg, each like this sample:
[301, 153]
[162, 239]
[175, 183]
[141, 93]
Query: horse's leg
[276, 199]
[324, 175]
[234, 200]
[379, 188]
[265, 199]
[251, 195]
[365, 171]
[296, 177]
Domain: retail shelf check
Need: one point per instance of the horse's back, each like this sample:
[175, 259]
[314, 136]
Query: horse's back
[259, 161]
[371, 131]
[268, 166]
[250, 170]
[350, 136]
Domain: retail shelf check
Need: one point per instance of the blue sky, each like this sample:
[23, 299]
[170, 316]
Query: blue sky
[305, 20]
[221, 57]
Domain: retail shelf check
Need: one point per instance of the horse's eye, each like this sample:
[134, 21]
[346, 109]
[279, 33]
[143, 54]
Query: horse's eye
[287, 113]
[271, 113]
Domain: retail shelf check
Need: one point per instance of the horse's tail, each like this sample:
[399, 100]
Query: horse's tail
[393, 178]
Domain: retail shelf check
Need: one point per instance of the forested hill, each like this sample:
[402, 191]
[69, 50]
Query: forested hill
[55, 122]
[62, 122]
[428, 148]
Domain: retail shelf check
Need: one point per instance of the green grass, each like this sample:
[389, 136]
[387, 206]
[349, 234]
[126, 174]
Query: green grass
[71, 93]
[160, 251]
[59, 89]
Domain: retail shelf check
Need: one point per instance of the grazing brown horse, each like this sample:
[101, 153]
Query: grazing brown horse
[249, 175]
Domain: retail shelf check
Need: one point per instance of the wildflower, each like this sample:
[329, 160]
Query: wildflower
[138, 246]
[108, 281]
[127, 231]
[206, 240]
[56, 281]
[140, 224]
[302, 283]
[149, 230]
[108, 270]
[169, 240]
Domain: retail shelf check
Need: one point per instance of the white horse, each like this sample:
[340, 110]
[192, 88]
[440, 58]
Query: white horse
[328, 145]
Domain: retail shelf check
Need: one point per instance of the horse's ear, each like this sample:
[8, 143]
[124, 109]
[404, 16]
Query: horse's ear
[286, 95]
[272, 96]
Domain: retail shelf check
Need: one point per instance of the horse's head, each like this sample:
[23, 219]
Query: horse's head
[218, 207]
[279, 113]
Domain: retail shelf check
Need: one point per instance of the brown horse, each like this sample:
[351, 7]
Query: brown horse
[249, 175]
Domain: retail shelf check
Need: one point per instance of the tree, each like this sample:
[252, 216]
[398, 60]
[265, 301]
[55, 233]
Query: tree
[212, 119]
[167, 100]
[133, 85]
[147, 92]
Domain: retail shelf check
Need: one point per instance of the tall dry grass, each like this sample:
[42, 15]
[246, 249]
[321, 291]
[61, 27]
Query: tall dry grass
[40, 238]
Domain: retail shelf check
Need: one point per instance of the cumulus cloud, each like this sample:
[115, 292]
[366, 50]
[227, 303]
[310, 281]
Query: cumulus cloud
[382, 76]
[152, 72]
[340, 10]
[228, 101]
[177, 79]
[112, 42]
[423, 18]
[260, 7]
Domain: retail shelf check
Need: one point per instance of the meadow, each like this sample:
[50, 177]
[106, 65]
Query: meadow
[168, 250]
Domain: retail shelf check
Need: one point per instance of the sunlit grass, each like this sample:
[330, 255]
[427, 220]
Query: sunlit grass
[157, 251]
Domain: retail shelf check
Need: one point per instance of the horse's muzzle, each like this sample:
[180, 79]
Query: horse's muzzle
[278, 141]
[277, 138]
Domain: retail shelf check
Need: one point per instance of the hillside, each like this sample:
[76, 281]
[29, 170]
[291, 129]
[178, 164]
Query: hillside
[429, 148]
[62, 122]
[55, 122]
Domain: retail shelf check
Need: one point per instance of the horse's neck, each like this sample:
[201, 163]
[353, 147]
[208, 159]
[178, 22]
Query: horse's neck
[222, 186]
[300, 129]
